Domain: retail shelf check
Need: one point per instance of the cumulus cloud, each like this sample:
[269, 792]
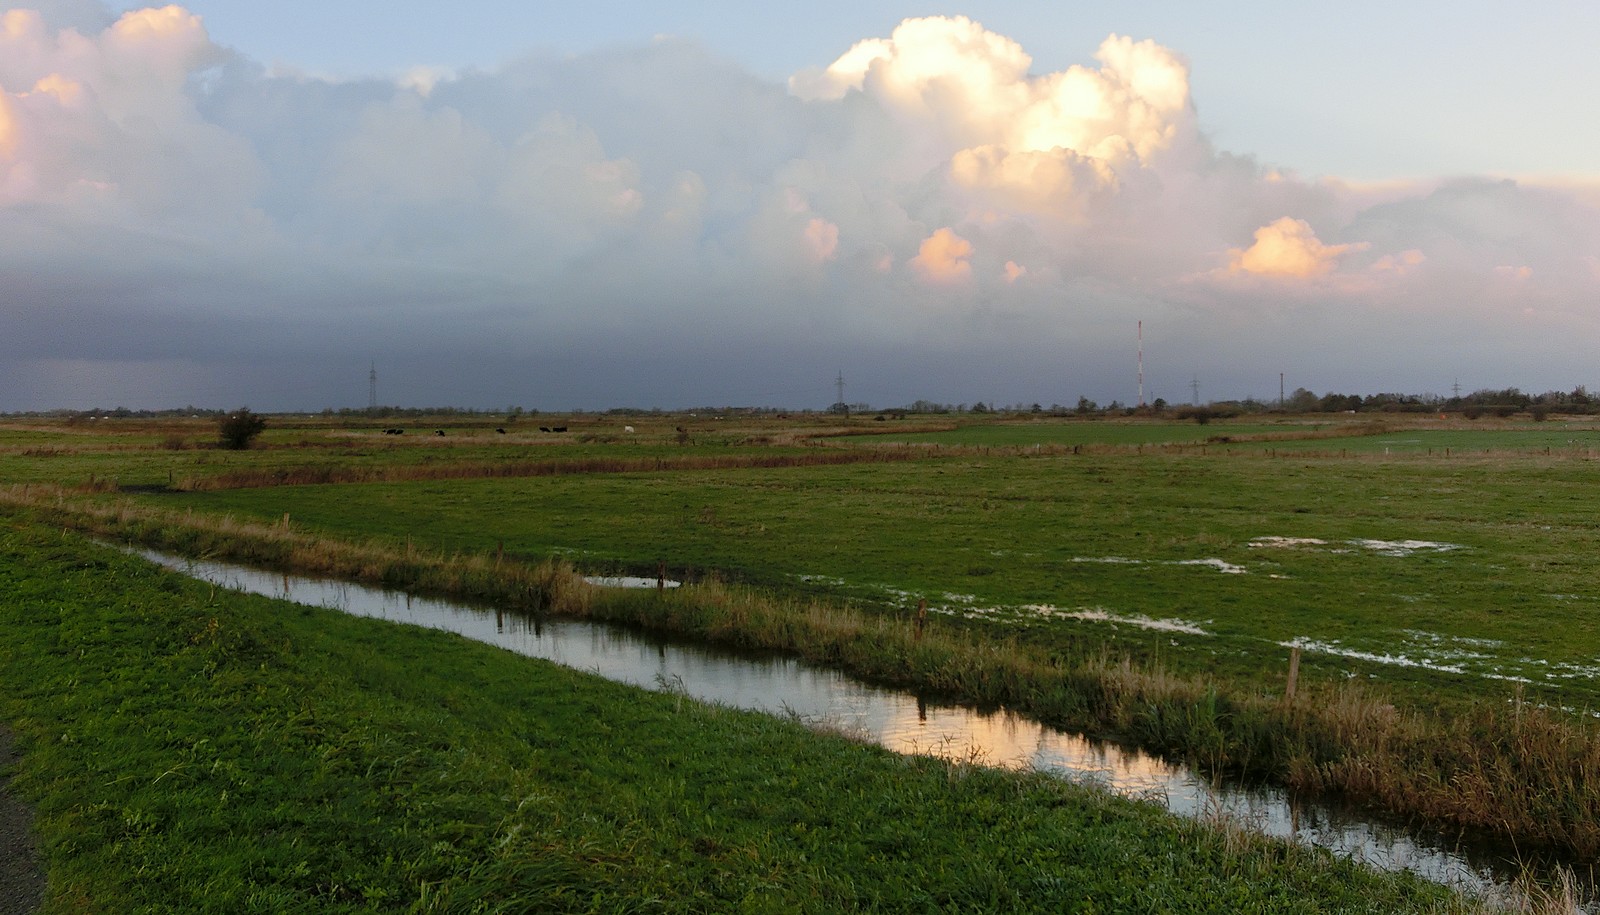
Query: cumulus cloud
[107, 120]
[516, 234]
[976, 86]
[944, 257]
[1288, 248]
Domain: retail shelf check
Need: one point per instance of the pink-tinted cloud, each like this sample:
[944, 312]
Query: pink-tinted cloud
[1288, 248]
[944, 258]
[822, 239]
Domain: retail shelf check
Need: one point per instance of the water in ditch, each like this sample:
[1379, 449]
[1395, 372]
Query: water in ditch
[897, 720]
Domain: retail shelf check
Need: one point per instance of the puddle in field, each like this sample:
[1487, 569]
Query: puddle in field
[1381, 547]
[1097, 615]
[1221, 565]
[899, 721]
[630, 581]
[1030, 613]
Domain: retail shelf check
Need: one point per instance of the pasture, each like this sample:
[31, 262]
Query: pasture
[197, 750]
[1448, 577]
[1140, 579]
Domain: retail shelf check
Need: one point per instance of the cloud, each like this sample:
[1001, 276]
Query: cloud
[1288, 248]
[1401, 263]
[976, 86]
[422, 80]
[822, 239]
[657, 223]
[106, 121]
[944, 258]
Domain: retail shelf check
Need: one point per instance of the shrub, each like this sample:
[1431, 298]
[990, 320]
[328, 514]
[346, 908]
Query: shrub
[236, 430]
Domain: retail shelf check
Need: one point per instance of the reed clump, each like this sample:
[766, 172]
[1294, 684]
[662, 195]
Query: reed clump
[1515, 770]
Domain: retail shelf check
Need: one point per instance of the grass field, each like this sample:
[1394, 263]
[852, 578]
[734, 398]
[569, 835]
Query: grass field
[1462, 575]
[1439, 569]
[202, 751]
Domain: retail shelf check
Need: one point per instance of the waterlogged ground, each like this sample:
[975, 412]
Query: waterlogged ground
[1467, 573]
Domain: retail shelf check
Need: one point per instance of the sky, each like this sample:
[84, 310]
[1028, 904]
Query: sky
[677, 205]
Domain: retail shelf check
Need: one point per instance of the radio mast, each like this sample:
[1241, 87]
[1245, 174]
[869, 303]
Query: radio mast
[1141, 363]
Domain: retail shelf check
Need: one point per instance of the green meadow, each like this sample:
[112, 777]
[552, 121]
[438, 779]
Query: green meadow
[1442, 577]
[195, 750]
[1149, 581]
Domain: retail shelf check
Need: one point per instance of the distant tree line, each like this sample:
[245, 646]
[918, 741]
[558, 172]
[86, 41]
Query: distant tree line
[1485, 402]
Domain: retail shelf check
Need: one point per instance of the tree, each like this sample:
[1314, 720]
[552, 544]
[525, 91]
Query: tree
[1303, 401]
[236, 430]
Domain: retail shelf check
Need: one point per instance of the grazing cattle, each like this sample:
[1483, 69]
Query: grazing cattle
[438, 432]
[627, 428]
[544, 428]
[501, 431]
[558, 428]
[394, 432]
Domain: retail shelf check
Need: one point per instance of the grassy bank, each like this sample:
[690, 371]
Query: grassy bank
[1519, 771]
[203, 751]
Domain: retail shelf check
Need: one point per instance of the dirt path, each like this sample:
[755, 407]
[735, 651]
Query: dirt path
[21, 879]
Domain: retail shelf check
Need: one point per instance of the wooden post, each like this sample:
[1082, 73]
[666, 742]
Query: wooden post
[922, 617]
[1294, 674]
[661, 577]
[499, 553]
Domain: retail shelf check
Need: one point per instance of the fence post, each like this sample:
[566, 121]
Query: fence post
[1294, 673]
